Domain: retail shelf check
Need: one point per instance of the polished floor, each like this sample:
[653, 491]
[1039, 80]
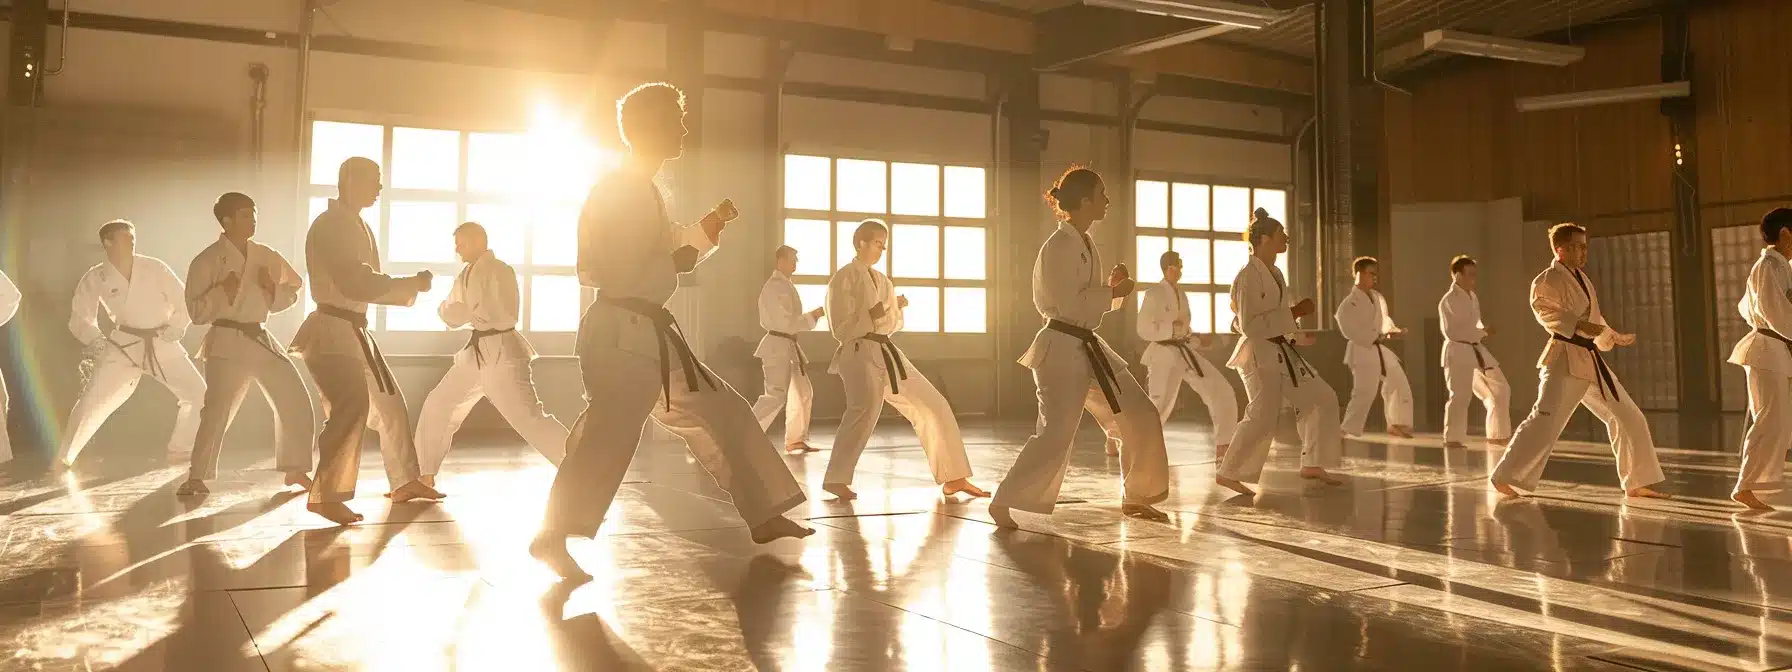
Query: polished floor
[1411, 565]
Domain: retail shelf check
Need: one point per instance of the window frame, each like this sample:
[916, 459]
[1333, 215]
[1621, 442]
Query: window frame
[1216, 289]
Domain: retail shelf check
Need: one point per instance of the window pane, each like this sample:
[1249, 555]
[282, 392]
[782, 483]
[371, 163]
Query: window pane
[1231, 208]
[556, 231]
[923, 313]
[561, 164]
[1229, 257]
[496, 162]
[333, 142]
[1151, 250]
[503, 229]
[1200, 312]
[1282, 263]
[967, 310]
[424, 158]
[814, 296]
[318, 205]
[1222, 314]
[1273, 200]
[1153, 201]
[966, 256]
[861, 184]
[555, 303]
[1189, 207]
[806, 182]
[811, 240]
[915, 251]
[965, 192]
[421, 316]
[422, 231]
[914, 189]
[1197, 268]
[843, 249]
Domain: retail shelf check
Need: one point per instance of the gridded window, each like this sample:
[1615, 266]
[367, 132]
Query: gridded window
[1204, 224]
[525, 188]
[938, 246]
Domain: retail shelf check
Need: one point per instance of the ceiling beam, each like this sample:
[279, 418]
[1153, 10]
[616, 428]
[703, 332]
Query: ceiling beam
[1076, 33]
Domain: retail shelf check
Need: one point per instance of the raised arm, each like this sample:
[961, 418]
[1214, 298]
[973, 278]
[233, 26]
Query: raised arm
[10, 298]
[1456, 315]
[204, 294]
[287, 283]
[1357, 319]
[1156, 315]
[1260, 314]
[336, 249]
[1769, 285]
[849, 314]
[457, 310]
[1060, 262]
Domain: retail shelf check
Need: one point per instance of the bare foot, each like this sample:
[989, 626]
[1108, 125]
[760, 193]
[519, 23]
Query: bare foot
[1143, 512]
[193, 486]
[1401, 431]
[1003, 517]
[840, 491]
[298, 478]
[336, 512]
[800, 448]
[1318, 474]
[963, 485]
[1646, 493]
[412, 491]
[1235, 486]
[1503, 489]
[1747, 498]
[428, 480]
[1113, 447]
[550, 549]
[1349, 435]
[1500, 442]
[779, 528]
[1455, 444]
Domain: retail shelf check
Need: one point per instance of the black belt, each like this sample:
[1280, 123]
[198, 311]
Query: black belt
[370, 349]
[253, 330]
[1605, 381]
[1181, 346]
[802, 363]
[670, 337]
[473, 342]
[147, 338]
[1288, 356]
[1475, 347]
[1098, 359]
[1381, 356]
[893, 366]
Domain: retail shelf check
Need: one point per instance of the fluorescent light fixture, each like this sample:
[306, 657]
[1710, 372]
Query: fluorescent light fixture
[1484, 46]
[1605, 96]
[1213, 11]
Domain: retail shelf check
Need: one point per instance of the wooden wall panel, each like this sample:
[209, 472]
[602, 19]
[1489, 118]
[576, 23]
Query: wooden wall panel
[920, 19]
[1214, 60]
[1742, 76]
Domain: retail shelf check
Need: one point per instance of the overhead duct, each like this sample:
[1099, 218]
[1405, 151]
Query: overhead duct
[1563, 101]
[1237, 15]
[1483, 46]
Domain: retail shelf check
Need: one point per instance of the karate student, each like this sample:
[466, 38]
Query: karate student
[1766, 354]
[493, 365]
[234, 285]
[1364, 320]
[1566, 304]
[9, 306]
[147, 307]
[1469, 368]
[786, 369]
[1170, 359]
[1273, 370]
[357, 386]
[865, 311]
[635, 361]
[1074, 369]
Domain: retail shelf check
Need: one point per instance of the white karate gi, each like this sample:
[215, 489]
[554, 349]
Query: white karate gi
[1077, 371]
[1274, 373]
[637, 365]
[1470, 369]
[494, 365]
[149, 316]
[1767, 307]
[1171, 359]
[358, 390]
[238, 351]
[782, 317]
[1363, 319]
[1574, 374]
[874, 371]
[9, 306]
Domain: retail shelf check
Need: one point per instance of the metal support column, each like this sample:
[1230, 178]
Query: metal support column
[1352, 201]
[1020, 230]
[1694, 285]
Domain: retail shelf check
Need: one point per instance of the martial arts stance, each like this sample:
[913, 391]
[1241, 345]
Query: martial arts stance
[1074, 369]
[1766, 354]
[786, 369]
[635, 361]
[357, 386]
[1171, 359]
[147, 307]
[1273, 371]
[1565, 303]
[865, 311]
[1364, 320]
[9, 306]
[494, 364]
[234, 285]
[1469, 368]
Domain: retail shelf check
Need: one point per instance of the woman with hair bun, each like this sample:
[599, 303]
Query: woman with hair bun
[1273, 370]
[1074, 369]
